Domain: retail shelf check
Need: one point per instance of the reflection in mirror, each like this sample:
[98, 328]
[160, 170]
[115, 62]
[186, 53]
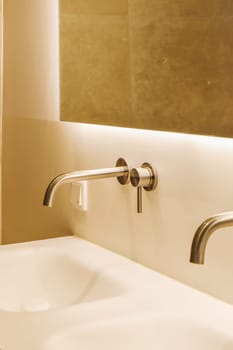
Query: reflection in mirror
[148, 64]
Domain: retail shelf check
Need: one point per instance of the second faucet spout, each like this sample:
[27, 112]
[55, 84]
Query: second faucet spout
[203, 233]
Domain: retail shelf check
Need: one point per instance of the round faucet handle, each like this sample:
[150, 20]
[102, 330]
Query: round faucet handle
[144, 177]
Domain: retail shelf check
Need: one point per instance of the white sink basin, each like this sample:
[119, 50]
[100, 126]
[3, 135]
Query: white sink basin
[114, 304]
[40, 279]
[142, 332]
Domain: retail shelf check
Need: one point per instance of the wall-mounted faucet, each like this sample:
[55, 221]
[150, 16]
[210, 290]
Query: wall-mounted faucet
[204, 232]
[145, 177]
[121, 171]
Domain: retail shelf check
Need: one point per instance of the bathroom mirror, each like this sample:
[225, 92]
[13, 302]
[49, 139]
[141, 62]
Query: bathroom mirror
[159, 65]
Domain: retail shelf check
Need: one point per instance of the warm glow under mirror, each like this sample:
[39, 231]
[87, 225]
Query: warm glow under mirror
[148, 64]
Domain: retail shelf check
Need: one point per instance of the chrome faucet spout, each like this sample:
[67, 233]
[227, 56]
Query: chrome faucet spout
[204, 232]
[121, 172]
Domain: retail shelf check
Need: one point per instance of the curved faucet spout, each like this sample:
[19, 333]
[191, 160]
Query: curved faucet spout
[118, 171]
[203, 233]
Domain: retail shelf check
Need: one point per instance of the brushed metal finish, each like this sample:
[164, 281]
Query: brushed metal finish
[143, 177]
[119, 171]
[139, 199]
[204, 232]
[124, 179]
[140, 177]
[153, 177]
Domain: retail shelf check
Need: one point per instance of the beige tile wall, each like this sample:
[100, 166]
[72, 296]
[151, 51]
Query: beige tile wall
[150, 64]
[31, 59]
[32, 154]
[31, 90]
